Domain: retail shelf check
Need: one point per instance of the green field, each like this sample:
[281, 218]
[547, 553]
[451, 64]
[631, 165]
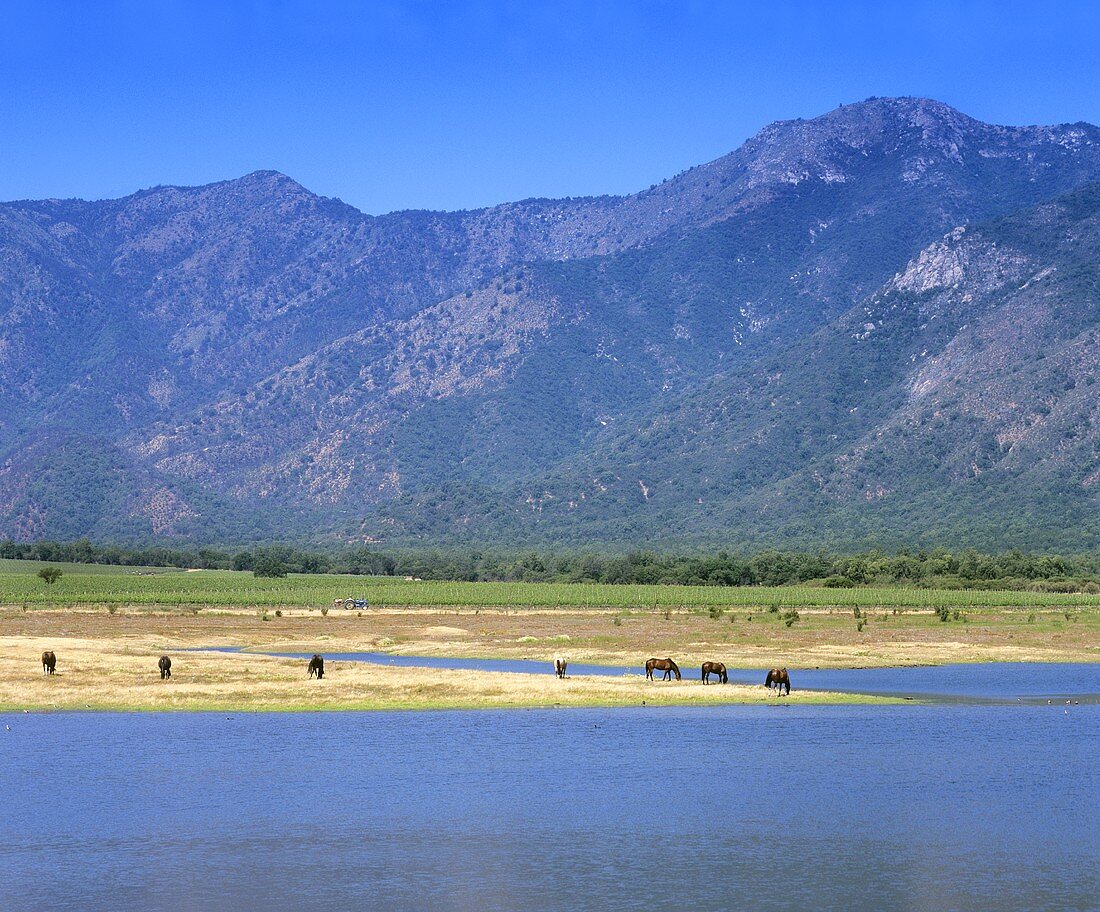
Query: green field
[100, 585]
[8, 565]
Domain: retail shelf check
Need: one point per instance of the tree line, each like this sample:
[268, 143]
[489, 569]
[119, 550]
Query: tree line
[939, 567]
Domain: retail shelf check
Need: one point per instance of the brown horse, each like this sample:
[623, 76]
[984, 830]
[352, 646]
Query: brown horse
[778, 678]
[714, 668]
[165, 666]
[669, 667]
[317, 667]
[560, 664]
[49, 663]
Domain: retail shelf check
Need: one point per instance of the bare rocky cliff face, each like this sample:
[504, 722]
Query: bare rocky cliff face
[247, 359]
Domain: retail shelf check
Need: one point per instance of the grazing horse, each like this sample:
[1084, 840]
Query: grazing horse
[778, 678]
[49, 662]
[714, 668]
[165, 666]
[669, 667]
[317, 667]
[560, 664]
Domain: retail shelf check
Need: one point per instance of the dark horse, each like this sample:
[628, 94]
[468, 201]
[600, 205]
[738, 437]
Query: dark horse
[165, 666]
[317, 667]
[49, 663]
[714, 668]
[666, 665]
[778, 678]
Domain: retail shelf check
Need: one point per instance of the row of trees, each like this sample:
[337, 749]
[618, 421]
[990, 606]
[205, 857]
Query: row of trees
[766, 568]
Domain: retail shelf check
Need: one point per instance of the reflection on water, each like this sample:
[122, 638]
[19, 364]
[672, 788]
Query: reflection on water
[768, 808]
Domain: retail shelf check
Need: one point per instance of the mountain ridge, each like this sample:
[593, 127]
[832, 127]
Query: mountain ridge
[272, 353]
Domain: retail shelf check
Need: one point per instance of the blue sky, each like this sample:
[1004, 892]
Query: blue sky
[395, 105]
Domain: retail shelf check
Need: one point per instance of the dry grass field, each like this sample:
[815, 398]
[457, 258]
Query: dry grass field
[107, 658]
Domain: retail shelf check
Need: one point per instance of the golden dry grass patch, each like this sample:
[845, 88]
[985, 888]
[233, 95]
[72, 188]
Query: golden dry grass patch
[111, 657]
[102, 674]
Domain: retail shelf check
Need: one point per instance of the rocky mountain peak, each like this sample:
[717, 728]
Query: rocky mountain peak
[924, 135]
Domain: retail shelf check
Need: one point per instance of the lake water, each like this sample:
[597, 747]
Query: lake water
[922, 807]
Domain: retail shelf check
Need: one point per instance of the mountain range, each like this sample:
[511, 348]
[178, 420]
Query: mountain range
[877, 327]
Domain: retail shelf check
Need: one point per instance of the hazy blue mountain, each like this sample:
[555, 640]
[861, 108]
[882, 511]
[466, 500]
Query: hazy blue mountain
[832, 333]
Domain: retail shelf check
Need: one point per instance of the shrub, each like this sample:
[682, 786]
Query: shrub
[324, 612]
[944, 613]
[836, 581]
[49, 575]
[860, 625]
[715, 613]
[789, 617]
[268, 565]
[856, 613]
[278, 613]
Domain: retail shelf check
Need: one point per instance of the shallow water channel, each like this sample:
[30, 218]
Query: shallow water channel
[777, 807]
[990, 682]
